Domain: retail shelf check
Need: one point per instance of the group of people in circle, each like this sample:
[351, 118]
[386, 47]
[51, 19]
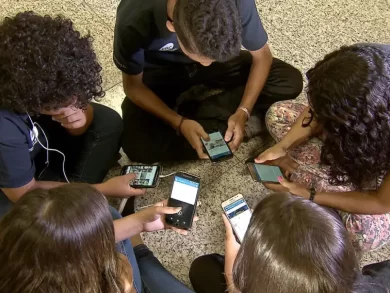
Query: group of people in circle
[332, 204]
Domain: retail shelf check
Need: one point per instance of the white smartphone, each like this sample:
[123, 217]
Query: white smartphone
[239, 215]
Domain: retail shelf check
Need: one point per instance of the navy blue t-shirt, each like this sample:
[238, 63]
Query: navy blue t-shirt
[18, 148]
[142, 38]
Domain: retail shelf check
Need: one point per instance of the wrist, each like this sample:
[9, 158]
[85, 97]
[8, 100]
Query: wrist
[100, 187]
[139, 222]
[242, 115]
[284, 145]
[175, 121]
[306, 193]
[180, 126]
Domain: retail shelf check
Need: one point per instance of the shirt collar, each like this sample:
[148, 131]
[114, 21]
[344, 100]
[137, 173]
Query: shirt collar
[161, 16]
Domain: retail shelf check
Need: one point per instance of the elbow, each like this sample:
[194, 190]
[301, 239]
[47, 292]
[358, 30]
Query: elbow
[382, 206]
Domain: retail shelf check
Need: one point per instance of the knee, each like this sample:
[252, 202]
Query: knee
[106, 121]
[114, 213]
[273, 112]
[204, 264]
[138, 150]
[198, 268]
[295, 80]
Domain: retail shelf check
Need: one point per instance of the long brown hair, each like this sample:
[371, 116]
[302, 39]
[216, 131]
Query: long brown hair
[59, 240]
[295, 246]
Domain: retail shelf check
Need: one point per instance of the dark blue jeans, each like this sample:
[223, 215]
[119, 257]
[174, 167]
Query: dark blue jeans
[149, 275]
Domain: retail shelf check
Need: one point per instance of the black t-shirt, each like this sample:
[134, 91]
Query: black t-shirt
[142, 38]
[18, 147]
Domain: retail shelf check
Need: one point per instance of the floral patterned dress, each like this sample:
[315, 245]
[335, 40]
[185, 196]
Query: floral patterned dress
[367, 232]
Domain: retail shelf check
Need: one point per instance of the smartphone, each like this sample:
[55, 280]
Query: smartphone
[264, 173]
[184, 194]
[147, 175]
[239, 215]
[217, 149]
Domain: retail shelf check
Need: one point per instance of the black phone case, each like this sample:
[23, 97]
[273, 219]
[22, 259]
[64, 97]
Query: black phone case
[222, 158]
[156, 181]
[174, 220]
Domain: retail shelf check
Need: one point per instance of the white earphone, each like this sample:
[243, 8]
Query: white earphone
[36, 134]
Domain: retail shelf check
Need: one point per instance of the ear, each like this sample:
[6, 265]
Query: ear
[170, 26]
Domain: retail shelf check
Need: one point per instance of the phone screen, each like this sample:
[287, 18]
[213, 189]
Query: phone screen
[239, 216]
[145, 174]
[184, 194]
[268, 173]
[216, 147]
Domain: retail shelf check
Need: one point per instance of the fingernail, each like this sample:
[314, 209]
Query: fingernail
[280, 178]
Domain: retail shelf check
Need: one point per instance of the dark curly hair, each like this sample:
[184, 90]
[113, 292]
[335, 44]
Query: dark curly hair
[349, 93]
[210, 28]
[45, 64]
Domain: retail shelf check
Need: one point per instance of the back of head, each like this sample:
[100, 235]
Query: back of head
[349, 94]
[59, 240]
[45, 64]
[294, 246]
[209, 28]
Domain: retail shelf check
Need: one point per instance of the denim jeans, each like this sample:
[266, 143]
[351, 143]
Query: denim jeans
[149, 275]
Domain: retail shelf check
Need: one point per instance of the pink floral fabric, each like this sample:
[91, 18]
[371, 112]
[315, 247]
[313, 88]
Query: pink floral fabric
[367, 232]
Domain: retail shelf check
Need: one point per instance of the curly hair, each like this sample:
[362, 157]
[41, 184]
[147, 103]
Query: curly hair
[349, 93]
[210, 28]
[45, 64]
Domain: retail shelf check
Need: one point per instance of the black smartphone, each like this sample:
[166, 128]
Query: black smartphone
[217, 149]
[184, 194]
[147, 175]
[264, 173]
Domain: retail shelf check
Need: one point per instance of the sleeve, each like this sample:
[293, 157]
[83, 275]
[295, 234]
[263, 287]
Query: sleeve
[379, 273]
[16, 166]
[128, 50]
[254, 36]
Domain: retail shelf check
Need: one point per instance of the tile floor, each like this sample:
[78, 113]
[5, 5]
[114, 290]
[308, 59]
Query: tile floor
[300, 32]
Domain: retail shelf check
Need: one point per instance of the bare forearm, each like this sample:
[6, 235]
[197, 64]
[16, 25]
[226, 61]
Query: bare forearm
[127, 227]
[144, 98]
[297, 133]
[14, 194]
[257, 78]
[354, 202]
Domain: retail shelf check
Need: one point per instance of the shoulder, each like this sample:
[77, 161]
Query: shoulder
[135, 14]
[12, 126]
[383, 47]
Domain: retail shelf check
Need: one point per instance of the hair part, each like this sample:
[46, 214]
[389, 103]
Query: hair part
[59, 240]
[293, 245]
[209, 28]
[349, 92]
[45, 64]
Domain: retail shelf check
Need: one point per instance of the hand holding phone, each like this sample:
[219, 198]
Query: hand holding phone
[153, 217]
[264, 173]
[239, 215]
[193, 131]
[217, 149]
[147, 176]
[184, 194]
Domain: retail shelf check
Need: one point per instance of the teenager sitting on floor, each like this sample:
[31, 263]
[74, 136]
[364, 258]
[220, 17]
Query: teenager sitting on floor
[48, 76]
[164, 47]
[292, 245]
[338, 147]
[48, 248]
